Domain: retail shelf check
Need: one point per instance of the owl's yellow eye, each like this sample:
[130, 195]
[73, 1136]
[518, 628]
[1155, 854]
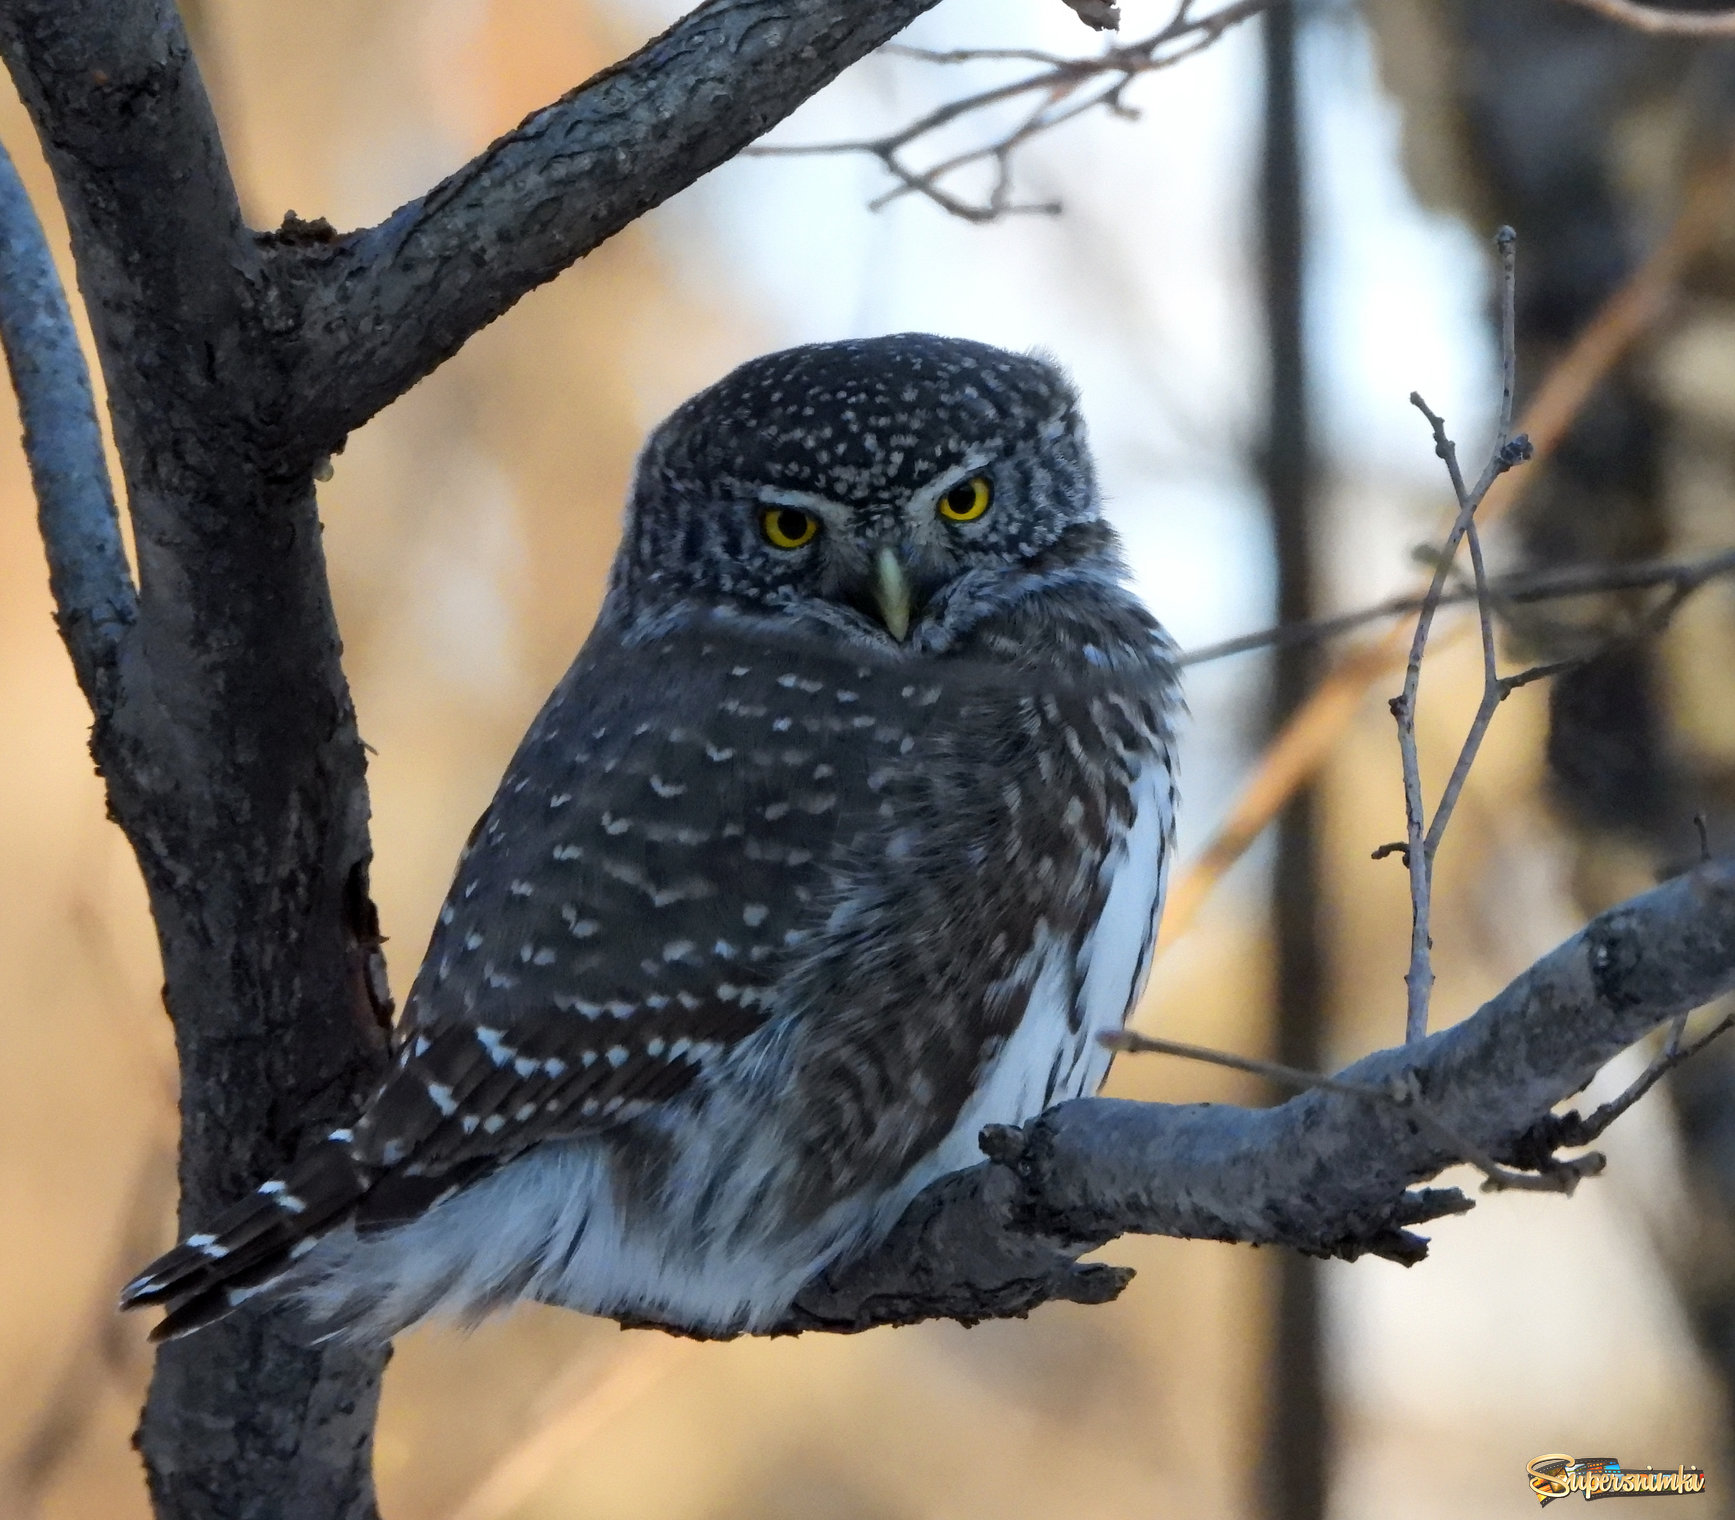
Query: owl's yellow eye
[966, 501]
[787, 527]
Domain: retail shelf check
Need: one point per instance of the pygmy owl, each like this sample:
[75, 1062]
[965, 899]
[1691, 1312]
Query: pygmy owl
[843, 837]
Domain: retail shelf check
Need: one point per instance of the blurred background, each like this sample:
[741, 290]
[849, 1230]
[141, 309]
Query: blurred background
[1247, 281]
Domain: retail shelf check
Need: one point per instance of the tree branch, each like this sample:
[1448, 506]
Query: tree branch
[1330, 1173]
[163, 262]
[94, 600]
[231, 755]
[396, 300]
[1663, 21]
[1682, 576]
[1062, 87]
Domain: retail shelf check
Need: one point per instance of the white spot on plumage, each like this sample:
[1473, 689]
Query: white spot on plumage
[441, 1097]
[754, 914]
[493, 1041]
[667, 788]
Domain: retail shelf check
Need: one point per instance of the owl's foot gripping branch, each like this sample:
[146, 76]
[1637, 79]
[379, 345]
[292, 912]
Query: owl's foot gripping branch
[1329, 1172]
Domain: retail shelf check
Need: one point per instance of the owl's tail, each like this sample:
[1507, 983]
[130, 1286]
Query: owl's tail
[251, 1245]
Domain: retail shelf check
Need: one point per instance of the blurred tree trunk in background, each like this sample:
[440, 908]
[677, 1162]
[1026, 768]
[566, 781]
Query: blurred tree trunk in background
[1296, 1467]
[1585, 136]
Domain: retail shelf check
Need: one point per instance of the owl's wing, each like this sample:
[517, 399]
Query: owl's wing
[663, 842]
[689, 826]
[660, 847]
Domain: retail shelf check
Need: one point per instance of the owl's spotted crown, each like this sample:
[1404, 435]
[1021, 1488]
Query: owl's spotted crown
[877, 487]
[863, 418]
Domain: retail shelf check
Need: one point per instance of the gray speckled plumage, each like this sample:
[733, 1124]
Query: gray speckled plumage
[785, 893]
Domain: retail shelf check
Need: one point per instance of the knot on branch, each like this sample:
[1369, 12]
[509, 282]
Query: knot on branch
[1516, 450]
[299, 232]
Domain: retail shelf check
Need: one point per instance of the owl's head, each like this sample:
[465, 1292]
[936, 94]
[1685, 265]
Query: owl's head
[886, 488]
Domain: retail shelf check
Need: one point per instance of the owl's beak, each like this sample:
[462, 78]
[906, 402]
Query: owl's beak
[892, 593]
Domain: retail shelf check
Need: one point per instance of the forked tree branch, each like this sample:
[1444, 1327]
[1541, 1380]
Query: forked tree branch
[395, 300]
[1330, 1173]
[87, 568]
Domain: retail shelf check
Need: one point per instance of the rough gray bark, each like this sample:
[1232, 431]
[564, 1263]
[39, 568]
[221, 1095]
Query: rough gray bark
[1328, 1173]
[224, 729]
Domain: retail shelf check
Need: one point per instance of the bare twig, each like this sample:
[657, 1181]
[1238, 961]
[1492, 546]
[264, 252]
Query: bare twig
[1422, 840]
[87, 568]
[1313, 730]
[1505, 591]
[1662, 21]
[1056, 85]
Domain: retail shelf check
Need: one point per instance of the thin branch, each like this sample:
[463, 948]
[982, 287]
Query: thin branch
[1522, 589]
[1327, 1172]
[1423, 838]
[1661, 21]
[87, 569]
[1057, 80]
[1313, 730]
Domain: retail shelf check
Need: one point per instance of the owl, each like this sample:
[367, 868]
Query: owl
[844, 836]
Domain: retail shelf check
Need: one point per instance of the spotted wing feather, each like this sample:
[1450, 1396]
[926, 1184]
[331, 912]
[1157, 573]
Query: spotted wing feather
[624, 908]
